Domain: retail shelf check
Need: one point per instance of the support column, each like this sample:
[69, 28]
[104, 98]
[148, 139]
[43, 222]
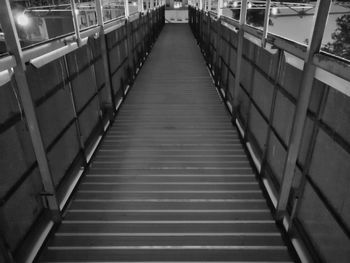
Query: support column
[151, 4]
[209, 5]
[237, 87]
[14, 47]
[320, 21]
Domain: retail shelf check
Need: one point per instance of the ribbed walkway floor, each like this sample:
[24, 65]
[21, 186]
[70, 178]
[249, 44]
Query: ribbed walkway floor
[171, 182]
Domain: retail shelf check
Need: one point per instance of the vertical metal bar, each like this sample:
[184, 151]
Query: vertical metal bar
[110, 103]
[220, 6]
[126, 9]
[309, 154]
[75, 12]
[201, 5]
[277, 75]
[14, 47]
[151, 6]
[307, 79]
[75, 113]
[97, 89]
[209, 5]
[140, 6]
[266, 23]
[237, 87]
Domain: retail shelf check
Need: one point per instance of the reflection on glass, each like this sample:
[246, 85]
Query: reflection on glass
[133, 8]
[3, 48]
[41, 20]
[336, 38]
[292, 20]
[113, 9]
[86, 13]
[231, 9]
[256, 13]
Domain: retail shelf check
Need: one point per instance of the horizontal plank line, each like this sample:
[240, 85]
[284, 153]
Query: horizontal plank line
[175, 168]
[230, 144]
[167, 247]
[171, 183]
[175, 200]
[130, 161]
[167, 210]
[171, 175]
[169, 191]
[167, 150]
[173, 155]
[45, 261]
[186, 234]
[168, 222]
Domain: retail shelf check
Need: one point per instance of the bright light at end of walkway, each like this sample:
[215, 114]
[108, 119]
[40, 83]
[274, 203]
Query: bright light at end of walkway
[76, 11]
[134, 3]
[250, 5]
[23, 19]
[225, 4]
[274, 11]
[235, 4]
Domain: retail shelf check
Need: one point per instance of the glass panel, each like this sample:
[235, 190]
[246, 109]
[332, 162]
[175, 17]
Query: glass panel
[113, 9]
[86, 13]
[336, 38]
[178, 4]
[133, 7]
[292, 20]
[41, 20]
[3, 49]
[214, 6]
[256, 14]
[232, 9]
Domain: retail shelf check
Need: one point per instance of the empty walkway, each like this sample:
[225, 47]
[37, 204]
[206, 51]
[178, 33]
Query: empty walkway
[171, 181]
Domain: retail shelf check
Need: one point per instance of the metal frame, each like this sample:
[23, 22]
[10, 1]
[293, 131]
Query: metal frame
[266, 22]
[126, 8]
[302, 105]
[12, 41]
[75, 21]
[315, 64]
[100, 23]
[242, 21]
[220, 6]
[39, 56]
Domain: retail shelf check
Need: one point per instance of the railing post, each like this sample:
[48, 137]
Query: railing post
[220, 6]
[242, 21]
[140, 6]
[320, 20]
[266, 23]
[75, 20]
[104, 53]
[201, 4]
[126, 9]
[14, 47]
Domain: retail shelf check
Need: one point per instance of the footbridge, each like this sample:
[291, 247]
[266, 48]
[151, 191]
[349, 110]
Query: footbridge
[144, 141]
